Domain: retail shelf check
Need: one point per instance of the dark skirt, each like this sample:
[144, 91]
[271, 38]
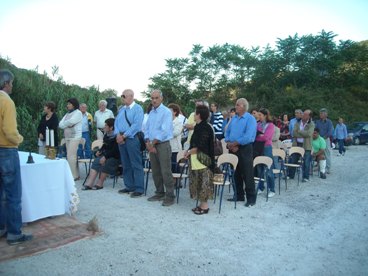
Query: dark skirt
[110, 167]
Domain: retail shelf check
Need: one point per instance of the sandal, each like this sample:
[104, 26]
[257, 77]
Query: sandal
[85, 188]
[201, 211]
[196, 209]
[96, 187]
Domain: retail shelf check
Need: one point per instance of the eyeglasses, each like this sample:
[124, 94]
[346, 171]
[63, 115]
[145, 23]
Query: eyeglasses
[123, 96]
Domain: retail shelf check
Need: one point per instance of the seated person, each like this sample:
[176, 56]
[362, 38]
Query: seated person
[319, 146]
[107, 158]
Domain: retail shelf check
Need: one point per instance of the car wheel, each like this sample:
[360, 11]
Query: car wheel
[356, 141]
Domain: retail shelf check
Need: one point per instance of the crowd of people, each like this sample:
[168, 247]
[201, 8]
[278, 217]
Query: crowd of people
[165, 131]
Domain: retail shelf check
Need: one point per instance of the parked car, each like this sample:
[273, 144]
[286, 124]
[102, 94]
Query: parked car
[358, 133]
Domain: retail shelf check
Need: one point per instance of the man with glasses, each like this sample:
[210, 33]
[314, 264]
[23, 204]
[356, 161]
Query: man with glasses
[127, 124]
[10, 178]
[158, 132]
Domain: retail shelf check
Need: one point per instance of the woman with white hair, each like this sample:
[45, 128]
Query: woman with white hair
[101, 115]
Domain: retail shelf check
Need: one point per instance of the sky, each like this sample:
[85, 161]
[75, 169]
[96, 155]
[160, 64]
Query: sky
[117, 45]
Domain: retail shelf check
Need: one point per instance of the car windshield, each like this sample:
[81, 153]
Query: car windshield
[355, 126]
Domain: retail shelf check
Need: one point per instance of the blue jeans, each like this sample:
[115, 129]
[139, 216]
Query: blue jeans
[131, 160]
[87, 146]
[270, 176]
[341, 145]
[306, 164]
[11, 186]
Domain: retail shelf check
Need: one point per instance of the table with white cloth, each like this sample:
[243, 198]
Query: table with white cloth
[48, 187]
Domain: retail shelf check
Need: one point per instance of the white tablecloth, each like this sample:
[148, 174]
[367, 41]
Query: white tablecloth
[48, 188]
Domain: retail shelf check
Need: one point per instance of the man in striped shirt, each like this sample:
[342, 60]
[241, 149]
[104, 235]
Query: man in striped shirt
[216, 120]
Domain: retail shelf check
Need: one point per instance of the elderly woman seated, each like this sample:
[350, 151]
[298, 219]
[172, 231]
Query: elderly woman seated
[107, 158]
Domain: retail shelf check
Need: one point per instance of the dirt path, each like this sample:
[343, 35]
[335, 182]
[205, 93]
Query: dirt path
[316, 228]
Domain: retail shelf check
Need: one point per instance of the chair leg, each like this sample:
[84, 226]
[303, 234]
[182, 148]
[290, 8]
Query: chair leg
[146, 185]
[222, 192]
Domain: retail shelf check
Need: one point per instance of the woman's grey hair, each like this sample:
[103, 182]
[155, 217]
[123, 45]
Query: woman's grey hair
[5, 77]
[103, 102]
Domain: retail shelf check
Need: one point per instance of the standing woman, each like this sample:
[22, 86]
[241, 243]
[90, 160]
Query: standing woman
[266, 129]
[202, 160]
[284, 129]
[72, 125]
[175, 142]
[51, 121]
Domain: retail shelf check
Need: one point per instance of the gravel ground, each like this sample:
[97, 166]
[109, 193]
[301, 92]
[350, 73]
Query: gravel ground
[316, 228]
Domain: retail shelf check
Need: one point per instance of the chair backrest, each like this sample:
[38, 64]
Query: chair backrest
[263, 160]
[180, 156]
[286, 144]
[82, 142]
[228, 158]
[97, 144]
[298, 150]
[279, 153]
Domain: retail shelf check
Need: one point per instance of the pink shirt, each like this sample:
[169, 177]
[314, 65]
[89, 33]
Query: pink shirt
[268, 133]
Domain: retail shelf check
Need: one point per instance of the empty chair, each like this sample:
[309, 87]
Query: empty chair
[182, 164]
[280, 156]
[266, 162]
[227, 163]
[296, 162]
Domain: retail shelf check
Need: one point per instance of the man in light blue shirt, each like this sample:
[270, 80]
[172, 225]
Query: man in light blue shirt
[340, 134]
[239, 137]
[127, 124]
[158, 132]
[298, 116]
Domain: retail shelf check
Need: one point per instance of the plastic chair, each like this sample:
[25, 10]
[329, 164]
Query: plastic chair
[281, 155]
[267, 163]
[96, 145]
[182, 164]
[227, 162]
[299, 151]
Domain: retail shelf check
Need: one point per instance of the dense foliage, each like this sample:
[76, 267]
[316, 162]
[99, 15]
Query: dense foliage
[31, 90]
[310, 71]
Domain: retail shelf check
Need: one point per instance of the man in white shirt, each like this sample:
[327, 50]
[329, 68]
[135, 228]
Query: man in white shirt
[101, 115]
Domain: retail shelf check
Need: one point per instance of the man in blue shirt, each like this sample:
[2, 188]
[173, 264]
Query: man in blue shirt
[341, 134]
[325, 130]
[158, 132]
[239, 137]
[128, 122]
[298, 116]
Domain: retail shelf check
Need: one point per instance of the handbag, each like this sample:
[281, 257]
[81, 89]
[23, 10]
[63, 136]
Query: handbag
[139, 134]
[217, 145]
[218, 150]
[258, 148]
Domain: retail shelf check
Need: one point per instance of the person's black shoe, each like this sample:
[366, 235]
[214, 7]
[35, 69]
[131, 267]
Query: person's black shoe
[22, 239]
[322, 175]
[124, 191]
[136, 194]
[233, 199]
[248, 204]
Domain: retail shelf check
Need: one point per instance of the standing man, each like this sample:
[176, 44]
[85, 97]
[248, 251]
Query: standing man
[190, 124]
[101, 115]
[298, 115]
[86, 132]
[158, 133]
[128, 122]
[341, 134]
[10, 178]
[325, 130]
[216, 120]
[303, 133]
[240, 135]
